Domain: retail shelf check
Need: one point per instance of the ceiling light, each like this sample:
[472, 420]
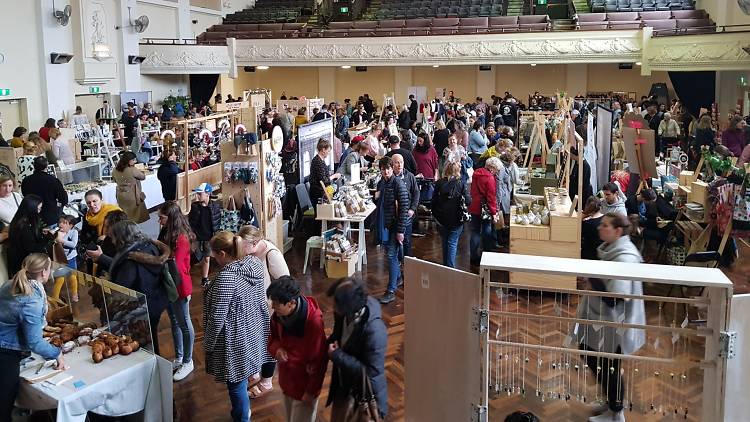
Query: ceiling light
[637, 63]
[346, 67]
[435, 65]
[533, 65]
[261, 67]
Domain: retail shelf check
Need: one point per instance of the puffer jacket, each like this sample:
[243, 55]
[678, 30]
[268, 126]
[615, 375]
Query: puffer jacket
[483, 191]
[366, 348]
[139, 268]
[194, 218]
[396, 203]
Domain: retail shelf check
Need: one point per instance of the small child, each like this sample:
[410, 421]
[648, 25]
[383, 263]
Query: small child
[67, 236]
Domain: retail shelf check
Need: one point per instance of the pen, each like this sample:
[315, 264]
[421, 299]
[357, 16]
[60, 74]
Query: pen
[40, 368]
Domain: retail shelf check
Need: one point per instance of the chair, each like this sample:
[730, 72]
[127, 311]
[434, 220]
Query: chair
[313, 242]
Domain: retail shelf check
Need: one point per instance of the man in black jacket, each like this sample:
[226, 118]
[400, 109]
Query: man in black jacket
[573, 188]
[413, 188]
[395, 209]
[48, 188]
[413, 108]
[204, 219]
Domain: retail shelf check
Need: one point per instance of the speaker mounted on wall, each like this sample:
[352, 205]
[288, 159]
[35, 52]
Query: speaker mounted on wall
[361, 68]
[136, 59]
[60, 58]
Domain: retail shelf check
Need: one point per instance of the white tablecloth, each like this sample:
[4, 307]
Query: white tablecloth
[118, 386]
[151, 187]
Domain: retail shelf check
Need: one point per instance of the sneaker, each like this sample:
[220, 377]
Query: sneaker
[609, 416]
[387, 298]
[205, 281]
[176, 364]
[184, 370]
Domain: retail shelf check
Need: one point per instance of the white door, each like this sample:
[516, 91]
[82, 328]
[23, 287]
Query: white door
[11, 117]
[442, 352]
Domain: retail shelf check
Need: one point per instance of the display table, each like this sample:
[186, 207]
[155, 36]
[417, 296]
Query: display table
[120, 385]
[561, 238]
[151, 186]
[358, 218]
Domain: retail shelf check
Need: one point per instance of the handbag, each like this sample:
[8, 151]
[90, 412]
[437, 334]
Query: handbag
[486, 214]
[360, 409]
[247, 212]
[463, 212]
[230, 217]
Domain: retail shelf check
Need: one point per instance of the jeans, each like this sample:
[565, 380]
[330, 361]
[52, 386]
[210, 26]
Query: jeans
[450, 244]
[394, 250]
[240, 401]
[481, 231]
[298, 411]
[408, 230]
[183, 333]
[9, 381]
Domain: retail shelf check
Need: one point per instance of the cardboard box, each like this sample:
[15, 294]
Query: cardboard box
[699, 193]
[686, 177]
[340, 269]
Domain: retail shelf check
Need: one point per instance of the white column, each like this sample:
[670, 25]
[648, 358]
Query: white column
[130, 74]
[485, 83]
[57, 92]
[577, 79]
[402, 80]
[327, 83]
[184, 23]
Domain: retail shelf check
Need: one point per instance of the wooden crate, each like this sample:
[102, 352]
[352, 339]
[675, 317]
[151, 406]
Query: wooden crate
[564, 228]
[699, 194]
[545, 248]
[341, 269]
[686, 177]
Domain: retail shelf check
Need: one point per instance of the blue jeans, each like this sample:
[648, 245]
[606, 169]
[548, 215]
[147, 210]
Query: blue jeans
[395, 253]
[450, 244]
[408, 230]
[481, 231]
[240, 401]
[182, 330]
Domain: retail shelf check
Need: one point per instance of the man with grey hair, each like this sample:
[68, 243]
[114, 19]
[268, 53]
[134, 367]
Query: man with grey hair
[411, 185]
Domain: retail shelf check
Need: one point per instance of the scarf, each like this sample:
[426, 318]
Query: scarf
[97, 220]
[294, 324]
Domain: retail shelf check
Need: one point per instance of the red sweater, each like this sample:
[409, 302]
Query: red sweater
[305, 368]
[427, 162]
[482, 191]
[182, 259]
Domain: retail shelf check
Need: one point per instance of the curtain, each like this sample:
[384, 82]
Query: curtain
[201, 88]
[695, 89]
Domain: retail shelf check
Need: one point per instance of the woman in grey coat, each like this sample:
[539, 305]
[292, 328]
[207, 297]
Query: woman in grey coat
[617, 247]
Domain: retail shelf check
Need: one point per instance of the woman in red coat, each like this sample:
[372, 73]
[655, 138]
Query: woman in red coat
[176, 233]
[483, 196]
[298, 342]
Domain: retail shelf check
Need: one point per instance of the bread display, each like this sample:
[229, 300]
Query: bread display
[106, 345]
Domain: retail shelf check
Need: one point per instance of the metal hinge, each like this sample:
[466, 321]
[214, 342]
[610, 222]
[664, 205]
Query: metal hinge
[479, 413]
[727, 344]
[482, 322]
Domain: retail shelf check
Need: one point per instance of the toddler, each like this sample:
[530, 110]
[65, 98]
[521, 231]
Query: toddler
[67, 236]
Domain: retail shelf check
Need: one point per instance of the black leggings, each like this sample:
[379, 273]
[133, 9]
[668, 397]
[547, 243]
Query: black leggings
[267, 369]
[9, 381]
[608, 377]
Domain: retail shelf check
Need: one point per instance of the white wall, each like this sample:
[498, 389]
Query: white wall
[163, 20]
[162, 86]
[724, 12]
[205, 20]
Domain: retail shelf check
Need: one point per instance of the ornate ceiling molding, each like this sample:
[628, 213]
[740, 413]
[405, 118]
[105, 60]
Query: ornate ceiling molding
[698, 52]
[570, 47]
[184, 59]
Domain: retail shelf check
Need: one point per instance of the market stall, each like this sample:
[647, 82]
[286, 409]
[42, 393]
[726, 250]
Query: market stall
[108, 348]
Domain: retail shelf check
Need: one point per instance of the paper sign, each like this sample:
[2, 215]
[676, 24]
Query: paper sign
[258, 100]
[355, 173]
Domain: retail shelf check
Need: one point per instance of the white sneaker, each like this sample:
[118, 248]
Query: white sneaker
[609, 416]
[176, 364]
[184, 370]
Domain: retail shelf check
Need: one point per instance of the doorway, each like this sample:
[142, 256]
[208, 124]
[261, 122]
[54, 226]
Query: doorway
[13, 114]
[92, 102]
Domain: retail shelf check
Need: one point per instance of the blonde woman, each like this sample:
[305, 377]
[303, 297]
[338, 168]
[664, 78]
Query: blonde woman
[24, 305]
[130, 196]
[26, 161]
[61, 147]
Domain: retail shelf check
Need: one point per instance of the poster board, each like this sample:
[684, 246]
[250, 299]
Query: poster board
[138, 97]
[603, 143]
[313, 103]
[419, 93]
[292, 105]
[629, 136]
[309, 134]
[443, 386]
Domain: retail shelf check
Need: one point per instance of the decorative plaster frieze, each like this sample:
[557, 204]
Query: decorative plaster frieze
[181, 59]
[722, 51]
[573, 47]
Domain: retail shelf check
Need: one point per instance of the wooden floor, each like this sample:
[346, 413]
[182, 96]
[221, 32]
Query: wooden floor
[199, 398]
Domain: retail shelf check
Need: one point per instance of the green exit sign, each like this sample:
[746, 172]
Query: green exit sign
[94, 89]
[540, 2]
[344, 10]
[4, 92]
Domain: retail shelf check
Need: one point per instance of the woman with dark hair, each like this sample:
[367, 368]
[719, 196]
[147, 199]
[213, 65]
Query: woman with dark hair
[138, 266]
[167, 174]
[356, 347]
[177, 234]
[616, 247]
[319, 172]
[450, 195]
[592, 217]
[25, 234]
[236, 321]
[44, 130]
[734, 138]
[130, 196]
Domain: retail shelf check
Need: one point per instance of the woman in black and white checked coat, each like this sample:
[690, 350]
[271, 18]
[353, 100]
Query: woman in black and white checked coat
[236, 321]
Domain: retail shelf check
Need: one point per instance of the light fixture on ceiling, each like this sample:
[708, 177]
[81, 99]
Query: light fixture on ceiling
[533, 64]
[435, 65]
[346, 67]
[262, 67]
[637, 63]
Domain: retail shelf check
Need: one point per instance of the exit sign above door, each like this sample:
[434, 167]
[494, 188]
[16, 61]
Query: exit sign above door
[94, 89]
[4, 92]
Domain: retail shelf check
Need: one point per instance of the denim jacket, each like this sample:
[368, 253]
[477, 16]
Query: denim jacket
[22, 319]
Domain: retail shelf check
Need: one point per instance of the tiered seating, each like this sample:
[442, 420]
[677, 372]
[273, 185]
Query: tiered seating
[640, 5]
[687, 21]
[271, 11]
[416, 9]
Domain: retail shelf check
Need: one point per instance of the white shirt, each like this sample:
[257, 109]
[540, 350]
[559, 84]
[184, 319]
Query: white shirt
[9, 206]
